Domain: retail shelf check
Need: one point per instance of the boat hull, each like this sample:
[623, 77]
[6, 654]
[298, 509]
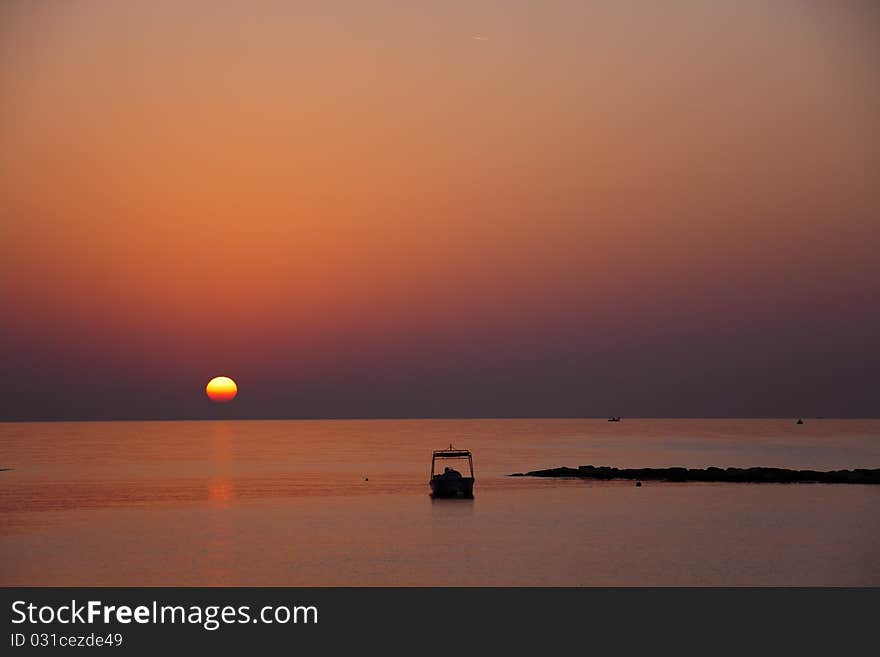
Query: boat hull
[451, 487]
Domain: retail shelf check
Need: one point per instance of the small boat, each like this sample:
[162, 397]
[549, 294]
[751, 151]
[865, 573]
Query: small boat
[615, 418]
[450, 482]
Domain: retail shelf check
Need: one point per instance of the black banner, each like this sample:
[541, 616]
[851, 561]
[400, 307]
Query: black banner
[408, 621]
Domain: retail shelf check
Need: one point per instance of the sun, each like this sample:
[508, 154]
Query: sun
[221, 389]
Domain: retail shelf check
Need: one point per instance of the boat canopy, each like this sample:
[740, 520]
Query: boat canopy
[452, 453]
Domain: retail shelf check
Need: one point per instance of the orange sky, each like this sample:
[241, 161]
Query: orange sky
[339, 198]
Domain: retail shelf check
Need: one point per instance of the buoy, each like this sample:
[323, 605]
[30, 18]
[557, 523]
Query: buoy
[638, 484]
[366, 478]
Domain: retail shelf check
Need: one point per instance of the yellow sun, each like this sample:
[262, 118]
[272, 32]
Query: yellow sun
[221, 389]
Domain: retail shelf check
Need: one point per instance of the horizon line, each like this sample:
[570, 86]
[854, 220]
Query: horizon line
[437, 418]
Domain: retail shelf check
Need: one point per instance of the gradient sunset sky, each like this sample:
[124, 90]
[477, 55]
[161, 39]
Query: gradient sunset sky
[439, 209]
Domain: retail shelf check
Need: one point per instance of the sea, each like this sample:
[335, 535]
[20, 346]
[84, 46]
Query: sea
[346, 503]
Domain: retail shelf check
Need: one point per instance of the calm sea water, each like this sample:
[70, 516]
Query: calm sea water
[289, 503]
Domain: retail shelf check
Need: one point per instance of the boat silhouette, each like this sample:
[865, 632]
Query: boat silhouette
[450, 482]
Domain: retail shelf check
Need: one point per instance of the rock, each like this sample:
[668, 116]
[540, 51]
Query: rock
[738, 475]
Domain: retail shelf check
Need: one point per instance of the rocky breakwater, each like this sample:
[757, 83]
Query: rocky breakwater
[731, 475]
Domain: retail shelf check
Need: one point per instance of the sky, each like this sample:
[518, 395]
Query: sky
[439, 208]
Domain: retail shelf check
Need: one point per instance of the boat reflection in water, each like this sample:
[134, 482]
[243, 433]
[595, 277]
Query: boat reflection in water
[450, 482]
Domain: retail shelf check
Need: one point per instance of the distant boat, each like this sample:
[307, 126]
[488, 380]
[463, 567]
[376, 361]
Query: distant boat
[450, 482]
[800, 421]
[615, 418]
